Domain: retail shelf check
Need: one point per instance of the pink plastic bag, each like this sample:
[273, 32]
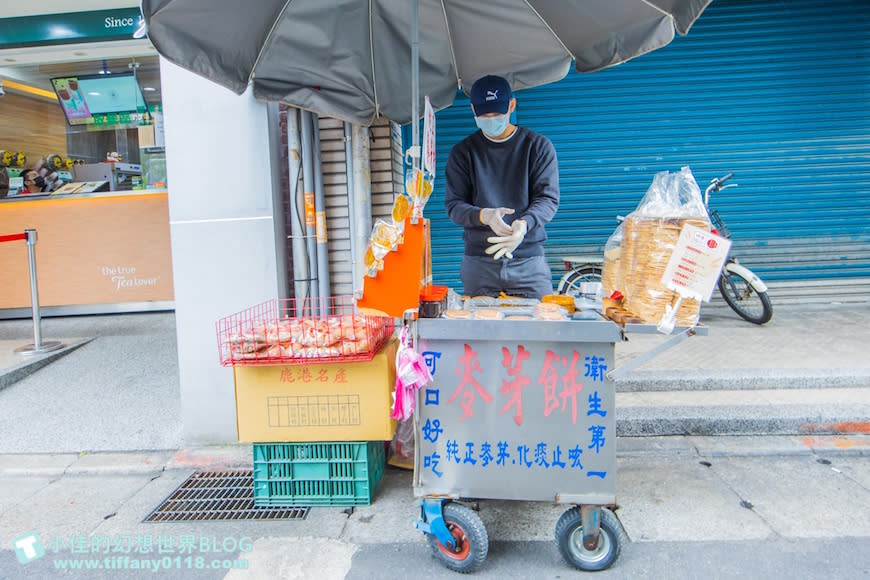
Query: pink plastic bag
[411, 374]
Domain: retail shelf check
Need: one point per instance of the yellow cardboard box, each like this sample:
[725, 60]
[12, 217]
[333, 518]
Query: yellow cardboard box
[348, 401]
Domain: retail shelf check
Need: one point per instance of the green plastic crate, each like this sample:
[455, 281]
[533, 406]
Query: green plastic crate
[317, 474]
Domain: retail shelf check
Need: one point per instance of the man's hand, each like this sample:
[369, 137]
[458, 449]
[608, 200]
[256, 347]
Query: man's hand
[505, 245]
[492, 216]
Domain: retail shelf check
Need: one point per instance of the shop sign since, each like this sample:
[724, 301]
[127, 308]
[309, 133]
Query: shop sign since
[68, 28]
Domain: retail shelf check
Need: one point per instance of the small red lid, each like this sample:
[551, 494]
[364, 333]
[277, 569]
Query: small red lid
[432, 293]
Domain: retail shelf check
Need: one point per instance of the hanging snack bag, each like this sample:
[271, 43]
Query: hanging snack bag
[401, 210]
[372, 263]
[385, 238]
[419, 187]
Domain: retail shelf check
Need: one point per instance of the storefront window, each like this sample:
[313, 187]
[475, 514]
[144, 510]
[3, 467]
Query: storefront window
[84, 127]
[88, 137]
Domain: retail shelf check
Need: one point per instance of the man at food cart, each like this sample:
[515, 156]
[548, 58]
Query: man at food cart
[502, 186]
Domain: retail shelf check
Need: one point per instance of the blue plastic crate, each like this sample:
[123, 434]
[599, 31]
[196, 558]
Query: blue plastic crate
[317, 474]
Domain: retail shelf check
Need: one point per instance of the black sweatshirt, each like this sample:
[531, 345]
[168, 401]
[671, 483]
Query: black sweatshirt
[520, 173]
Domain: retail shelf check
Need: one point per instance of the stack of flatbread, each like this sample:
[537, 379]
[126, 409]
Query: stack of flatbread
[647, 246]
[610, 275]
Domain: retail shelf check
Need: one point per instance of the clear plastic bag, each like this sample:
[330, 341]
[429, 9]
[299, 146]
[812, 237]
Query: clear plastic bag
[402, 445]
[672, 196]
[611, 272]
[649, 236]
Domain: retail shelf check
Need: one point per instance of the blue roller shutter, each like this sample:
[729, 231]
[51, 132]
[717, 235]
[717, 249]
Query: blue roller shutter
[778, 93]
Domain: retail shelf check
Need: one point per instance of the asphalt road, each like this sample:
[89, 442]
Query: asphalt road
[846, 558]
[832, 559]
[748, 509]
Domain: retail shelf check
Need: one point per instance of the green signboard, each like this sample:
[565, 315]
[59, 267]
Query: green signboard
[131, 118]
[73, 27]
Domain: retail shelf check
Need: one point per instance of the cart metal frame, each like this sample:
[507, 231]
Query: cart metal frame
[503, 384]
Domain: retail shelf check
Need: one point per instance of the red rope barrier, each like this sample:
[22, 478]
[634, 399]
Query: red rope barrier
[13, 237]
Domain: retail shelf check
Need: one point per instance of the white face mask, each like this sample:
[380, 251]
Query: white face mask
[493, 126]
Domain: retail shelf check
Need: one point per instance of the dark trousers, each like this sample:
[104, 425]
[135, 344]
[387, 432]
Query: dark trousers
[521, 277]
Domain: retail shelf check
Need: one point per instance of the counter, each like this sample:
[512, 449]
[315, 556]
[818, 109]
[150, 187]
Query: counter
[95, 253]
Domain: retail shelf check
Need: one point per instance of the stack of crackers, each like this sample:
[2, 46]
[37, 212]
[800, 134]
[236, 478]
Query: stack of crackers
[647, 246]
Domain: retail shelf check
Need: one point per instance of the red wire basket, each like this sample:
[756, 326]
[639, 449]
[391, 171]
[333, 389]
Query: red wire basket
[315, 330]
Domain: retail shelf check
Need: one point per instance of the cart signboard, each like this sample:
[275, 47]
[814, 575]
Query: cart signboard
[519, 410]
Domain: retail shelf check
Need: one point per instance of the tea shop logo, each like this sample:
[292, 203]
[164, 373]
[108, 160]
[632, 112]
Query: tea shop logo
[125, 278]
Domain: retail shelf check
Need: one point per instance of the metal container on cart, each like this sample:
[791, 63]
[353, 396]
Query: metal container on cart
[518, 410]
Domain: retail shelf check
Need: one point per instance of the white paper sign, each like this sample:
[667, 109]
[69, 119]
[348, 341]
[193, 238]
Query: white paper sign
[429, 138]
[695, 265]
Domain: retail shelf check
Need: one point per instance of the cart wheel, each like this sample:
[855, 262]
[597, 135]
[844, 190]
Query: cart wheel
[472, 542]
[569, 538]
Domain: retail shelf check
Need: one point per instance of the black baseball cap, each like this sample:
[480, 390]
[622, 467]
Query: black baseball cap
[490, 94]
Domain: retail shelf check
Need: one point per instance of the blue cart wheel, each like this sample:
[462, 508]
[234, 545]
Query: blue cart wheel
[472, 542]
[569, 539]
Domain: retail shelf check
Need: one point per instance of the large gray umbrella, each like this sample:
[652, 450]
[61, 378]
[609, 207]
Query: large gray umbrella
[351, 59]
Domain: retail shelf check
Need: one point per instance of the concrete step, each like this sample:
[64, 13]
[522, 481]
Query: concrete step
[801, 411]
[14, 367]
[743, 379]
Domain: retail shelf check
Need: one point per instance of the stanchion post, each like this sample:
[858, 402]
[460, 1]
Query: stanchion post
[38, 347]
[34, 288]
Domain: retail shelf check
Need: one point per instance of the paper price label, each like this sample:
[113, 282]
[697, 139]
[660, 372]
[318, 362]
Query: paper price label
[309, 208]
[696, 262]
[429, 138]
[320, 227]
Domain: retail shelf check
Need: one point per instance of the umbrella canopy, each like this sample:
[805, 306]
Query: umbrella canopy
[351, 59]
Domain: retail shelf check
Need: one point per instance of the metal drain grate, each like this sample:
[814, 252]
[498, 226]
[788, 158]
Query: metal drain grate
[219, 495]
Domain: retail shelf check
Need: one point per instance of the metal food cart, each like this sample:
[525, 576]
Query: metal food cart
[520, 410]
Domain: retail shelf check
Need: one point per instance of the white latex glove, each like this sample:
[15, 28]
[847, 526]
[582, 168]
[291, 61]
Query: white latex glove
[505, 245]
[492, 216]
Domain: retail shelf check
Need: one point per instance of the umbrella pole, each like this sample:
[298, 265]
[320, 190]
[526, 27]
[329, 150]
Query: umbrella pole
[415, 83]
[416, 154]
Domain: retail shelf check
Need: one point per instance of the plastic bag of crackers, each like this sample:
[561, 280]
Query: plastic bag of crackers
[386, 236]
[611, 272]
[649, 236]
[419, 185]
[307, 338]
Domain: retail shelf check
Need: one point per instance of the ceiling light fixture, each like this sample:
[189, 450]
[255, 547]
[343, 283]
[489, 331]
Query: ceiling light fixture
[27, 89]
